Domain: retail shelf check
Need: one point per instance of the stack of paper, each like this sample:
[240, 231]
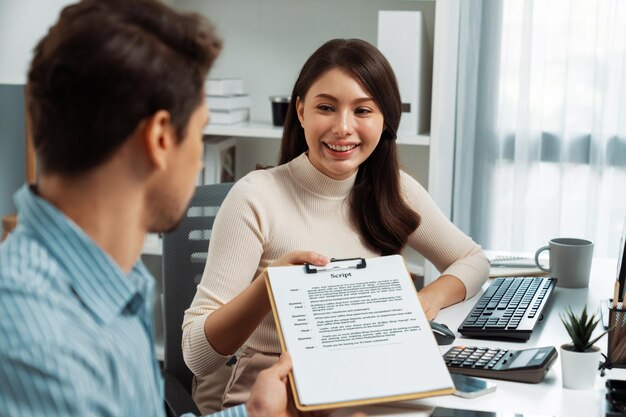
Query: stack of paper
[223, 86]
[227, 103]
[226, 100]
[515, 266]
[229, 117]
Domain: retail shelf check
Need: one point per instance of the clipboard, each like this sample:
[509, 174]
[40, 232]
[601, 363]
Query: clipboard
[418, 374]
[335, 264]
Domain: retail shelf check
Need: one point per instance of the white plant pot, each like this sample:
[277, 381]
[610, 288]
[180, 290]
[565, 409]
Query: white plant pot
[579, 369]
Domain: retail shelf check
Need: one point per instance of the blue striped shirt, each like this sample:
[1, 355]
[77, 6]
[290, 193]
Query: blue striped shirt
[76, 332]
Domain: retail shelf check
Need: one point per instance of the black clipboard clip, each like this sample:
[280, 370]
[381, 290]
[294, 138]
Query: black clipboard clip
[335, 264]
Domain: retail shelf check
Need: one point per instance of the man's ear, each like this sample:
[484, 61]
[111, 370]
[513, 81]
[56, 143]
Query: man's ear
[300, 109]
[158, 137]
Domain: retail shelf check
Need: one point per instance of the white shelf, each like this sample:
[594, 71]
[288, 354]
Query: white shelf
[419, 140]
[267, 130]
[246, 130]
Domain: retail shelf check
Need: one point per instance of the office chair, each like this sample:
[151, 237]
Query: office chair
[184, 256]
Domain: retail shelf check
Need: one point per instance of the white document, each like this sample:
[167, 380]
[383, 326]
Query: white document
[356, 335]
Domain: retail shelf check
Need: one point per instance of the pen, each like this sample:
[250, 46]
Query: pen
[621, 277]
[615, 293]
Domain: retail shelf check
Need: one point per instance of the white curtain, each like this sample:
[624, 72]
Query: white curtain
[541, 123]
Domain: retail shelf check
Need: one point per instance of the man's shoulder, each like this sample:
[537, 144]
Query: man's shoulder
[26, 263]
[33, 295]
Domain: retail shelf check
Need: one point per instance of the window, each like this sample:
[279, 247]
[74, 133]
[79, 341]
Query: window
[541, 123]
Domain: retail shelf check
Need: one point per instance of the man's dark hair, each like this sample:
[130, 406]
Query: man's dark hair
[104, 67]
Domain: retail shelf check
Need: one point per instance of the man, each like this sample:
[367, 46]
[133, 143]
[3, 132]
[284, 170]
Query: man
[115, 103]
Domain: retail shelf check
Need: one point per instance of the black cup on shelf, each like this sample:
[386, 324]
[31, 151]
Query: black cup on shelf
[280, 104]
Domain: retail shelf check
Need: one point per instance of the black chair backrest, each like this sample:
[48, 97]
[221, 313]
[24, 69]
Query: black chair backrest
[184, 257]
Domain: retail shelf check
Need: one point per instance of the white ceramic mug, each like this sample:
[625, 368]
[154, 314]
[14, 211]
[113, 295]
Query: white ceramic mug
[570, 261]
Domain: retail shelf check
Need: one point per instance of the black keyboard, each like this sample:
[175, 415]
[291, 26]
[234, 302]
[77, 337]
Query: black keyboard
[510, 308]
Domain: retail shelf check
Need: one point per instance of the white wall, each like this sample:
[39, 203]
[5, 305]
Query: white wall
[22, 24]
[267, 41]
[12, 145]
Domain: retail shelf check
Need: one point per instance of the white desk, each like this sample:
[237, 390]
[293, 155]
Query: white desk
[547, 398]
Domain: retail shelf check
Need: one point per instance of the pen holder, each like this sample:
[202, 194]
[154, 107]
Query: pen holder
[616, 348]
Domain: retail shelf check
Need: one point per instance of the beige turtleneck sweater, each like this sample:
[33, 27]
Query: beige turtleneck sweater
[295, 207]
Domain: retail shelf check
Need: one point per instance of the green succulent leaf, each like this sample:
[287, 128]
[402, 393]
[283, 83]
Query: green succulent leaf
[580, 328]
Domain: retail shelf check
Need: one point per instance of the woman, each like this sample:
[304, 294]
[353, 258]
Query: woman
[337, 192]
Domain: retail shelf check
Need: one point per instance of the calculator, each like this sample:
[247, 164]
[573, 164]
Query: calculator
[527, 365]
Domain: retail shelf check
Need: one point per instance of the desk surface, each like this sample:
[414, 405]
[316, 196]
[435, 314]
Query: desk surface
[547, 398]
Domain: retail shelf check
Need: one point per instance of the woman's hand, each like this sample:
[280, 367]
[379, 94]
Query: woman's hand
[300, 258]
[228, 327]
[443, 292]
[429, 303]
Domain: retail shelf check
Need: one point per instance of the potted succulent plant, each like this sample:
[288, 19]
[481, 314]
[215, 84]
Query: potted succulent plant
[580, 358]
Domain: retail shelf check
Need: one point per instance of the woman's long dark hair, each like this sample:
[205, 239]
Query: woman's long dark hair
[376, 204]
